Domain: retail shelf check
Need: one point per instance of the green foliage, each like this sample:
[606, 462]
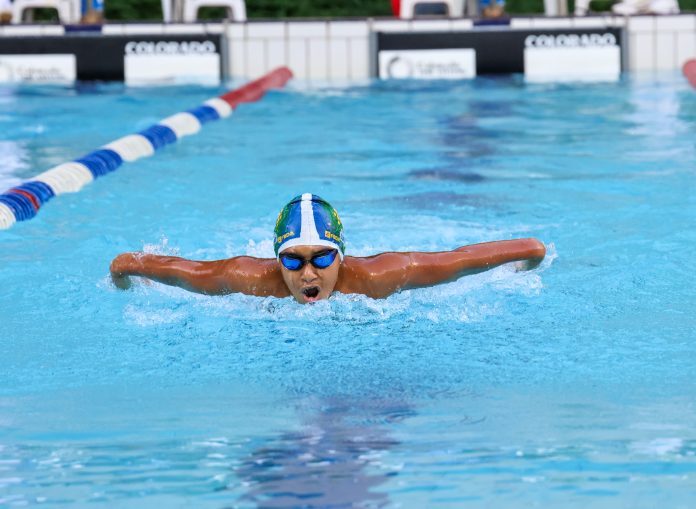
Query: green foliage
[43, 15]
[524, 6]
[122, 10]
[126, 10]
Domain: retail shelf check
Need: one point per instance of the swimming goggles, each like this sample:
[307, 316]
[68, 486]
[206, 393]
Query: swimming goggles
[320, 260]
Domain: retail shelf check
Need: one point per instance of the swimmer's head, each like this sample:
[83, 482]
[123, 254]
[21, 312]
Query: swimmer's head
[309, 246]
[308, 220]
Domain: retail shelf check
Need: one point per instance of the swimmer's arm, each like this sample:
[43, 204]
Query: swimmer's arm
[243, 274]
[526, 253]
[392, 272]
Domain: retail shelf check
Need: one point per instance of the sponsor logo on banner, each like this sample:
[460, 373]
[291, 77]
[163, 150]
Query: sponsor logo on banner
[38, 68]
[169, 62]
[427, 64]
[572, 57]
[170, 48]
[569, 40]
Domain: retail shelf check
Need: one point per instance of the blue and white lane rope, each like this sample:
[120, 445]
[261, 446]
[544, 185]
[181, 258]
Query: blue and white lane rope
[23, 202]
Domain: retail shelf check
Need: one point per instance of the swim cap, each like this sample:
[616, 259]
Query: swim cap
[308, 220]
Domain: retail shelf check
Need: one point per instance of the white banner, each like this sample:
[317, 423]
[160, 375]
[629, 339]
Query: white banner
[38, 68]
[427, 64]
[572, 57]
[172, 68]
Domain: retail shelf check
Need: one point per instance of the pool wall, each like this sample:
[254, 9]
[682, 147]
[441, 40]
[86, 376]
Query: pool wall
[342, 50]
[345, 50]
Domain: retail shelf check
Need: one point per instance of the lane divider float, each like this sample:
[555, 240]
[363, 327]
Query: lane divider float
[689, 70]
[24, 201]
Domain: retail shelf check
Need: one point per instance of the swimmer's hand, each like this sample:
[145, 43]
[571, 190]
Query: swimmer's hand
[537, 252]
[120, 267]
[527, 264]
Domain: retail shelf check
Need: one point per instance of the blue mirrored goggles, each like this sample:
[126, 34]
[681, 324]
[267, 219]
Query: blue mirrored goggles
[320, 260]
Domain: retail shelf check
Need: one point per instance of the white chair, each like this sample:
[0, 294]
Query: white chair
[69, 11]
[237, 7]
[167, 11]
[633, 7]
[560, 7]
[428, 8]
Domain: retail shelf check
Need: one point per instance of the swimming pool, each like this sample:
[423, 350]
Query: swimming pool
[570, 386]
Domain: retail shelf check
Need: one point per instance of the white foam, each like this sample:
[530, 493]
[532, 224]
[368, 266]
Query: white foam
[262, 249]
[658, 446]
[162, 248]
[145, 318]
[327, 89]
[445, 303]
[213, 442]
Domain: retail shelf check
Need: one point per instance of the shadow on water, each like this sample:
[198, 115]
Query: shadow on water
[467, 141]
[436, 199]
[333, 461]
[451, 173]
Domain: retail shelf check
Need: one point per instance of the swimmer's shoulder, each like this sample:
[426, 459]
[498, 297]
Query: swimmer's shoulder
[370, 275]
[353, 275]
[256, 276]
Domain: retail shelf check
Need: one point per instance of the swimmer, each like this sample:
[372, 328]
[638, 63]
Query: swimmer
[310, 263]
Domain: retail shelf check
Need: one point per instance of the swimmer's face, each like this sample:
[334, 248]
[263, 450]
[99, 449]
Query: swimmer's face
[310, 284]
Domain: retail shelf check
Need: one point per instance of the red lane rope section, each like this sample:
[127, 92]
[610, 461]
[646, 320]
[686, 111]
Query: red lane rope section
[255, 90]
[689, 71]
[28, 196]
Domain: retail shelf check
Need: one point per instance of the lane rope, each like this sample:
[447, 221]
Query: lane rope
[22, 202]
[689, 70]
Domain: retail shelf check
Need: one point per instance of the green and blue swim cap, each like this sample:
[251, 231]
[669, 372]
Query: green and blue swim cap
[308, 220]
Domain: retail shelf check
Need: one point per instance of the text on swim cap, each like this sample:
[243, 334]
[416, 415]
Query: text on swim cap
[281, 238]
[331, 236]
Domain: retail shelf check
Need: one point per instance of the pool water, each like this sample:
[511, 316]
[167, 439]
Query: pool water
[568, 386]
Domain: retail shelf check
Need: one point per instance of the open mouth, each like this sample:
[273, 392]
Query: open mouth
[311, 292]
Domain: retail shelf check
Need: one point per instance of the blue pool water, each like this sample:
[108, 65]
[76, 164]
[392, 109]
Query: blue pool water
[569, 386]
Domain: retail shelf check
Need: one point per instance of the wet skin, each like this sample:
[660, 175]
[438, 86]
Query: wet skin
[376, 276]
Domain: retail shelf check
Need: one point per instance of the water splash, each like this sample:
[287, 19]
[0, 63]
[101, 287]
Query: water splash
[162, 248]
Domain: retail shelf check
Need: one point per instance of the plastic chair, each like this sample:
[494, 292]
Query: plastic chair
[238, 8]
[560, 7]
[69, 11]
[167, 9]
[633, 7]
